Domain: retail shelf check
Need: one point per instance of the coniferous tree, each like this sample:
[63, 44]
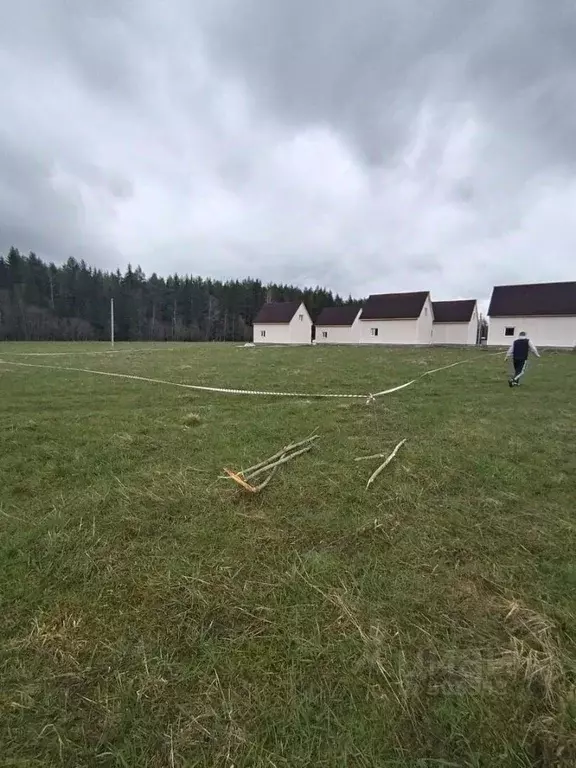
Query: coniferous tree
[40, 301]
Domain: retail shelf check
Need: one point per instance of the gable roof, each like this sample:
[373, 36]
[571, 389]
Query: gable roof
[394, 306]
[453, 311]
[277, 312]
[535, 300]
[338, 315]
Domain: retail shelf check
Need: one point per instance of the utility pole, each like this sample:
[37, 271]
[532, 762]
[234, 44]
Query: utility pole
[112, 322]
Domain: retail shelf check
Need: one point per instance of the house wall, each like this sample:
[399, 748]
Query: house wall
[296, 332]
[276, 333]
[389, 331]
[543, 331]
[339, 334]
[450, 333]
[463, 334]
[301, 330]
[425, 324]
[473, 328]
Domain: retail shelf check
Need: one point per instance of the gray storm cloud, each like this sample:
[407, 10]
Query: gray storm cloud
[366, 146]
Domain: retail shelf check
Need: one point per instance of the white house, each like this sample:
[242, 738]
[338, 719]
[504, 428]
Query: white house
[397, 318]
[339, 325]
[545, 311]
[286, 322]
[455, 322]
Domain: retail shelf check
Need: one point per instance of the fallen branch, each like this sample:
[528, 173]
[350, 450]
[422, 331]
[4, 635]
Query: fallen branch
[384, 464]
[240, 480]
[251, 488]
[374, 456]
[270, 465]
[280, 461]
[267, 462]
[265, 483]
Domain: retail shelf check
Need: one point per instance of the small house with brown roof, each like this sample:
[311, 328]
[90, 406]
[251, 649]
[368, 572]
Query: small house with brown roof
[339, 325]
[397, 318]
[545, 311]
[455, 322]
[283, 322]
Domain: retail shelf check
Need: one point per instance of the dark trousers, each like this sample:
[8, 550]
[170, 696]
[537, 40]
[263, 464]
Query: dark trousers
[519, 365]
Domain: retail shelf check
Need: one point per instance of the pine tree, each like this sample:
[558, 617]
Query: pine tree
[72, 301]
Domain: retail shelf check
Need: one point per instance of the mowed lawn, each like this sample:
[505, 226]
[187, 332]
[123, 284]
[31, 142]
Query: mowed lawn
[153, 615]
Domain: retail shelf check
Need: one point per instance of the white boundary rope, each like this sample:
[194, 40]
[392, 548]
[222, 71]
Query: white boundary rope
[222, 390]
[413, 381]
[176, 383]
[83, 353]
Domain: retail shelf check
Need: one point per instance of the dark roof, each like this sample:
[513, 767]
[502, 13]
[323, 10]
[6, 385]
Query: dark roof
[394, 306]
[338, 315]
[536, 300]
[453, 311]
[277, 312]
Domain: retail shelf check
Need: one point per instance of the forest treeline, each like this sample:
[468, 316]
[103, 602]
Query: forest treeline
[71, 302]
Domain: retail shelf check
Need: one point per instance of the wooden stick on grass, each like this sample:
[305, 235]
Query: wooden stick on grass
[282, 460]
[251, 488]
[240, 480]
[274, 467]
[265, 483]
[374, 456]
[267, 462]
[375, 474]
[270, 464]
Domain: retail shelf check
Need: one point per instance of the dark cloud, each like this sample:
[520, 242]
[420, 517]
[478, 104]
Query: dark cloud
[367, 67]
[367, 146]
[39, 212]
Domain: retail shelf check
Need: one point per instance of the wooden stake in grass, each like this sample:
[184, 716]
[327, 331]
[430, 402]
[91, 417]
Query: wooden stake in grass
[376, 472]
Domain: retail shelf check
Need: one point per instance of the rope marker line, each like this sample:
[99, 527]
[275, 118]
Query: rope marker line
[222, 390]
[83, 353]
[180, 384]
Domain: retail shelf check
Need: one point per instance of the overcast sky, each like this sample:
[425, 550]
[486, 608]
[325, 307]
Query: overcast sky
[374, 145]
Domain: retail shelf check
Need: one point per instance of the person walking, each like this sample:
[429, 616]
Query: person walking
[519, 351]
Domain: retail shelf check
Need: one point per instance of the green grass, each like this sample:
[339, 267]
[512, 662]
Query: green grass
[153, 615]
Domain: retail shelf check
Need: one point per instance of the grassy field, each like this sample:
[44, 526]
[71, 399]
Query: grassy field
[154, 616]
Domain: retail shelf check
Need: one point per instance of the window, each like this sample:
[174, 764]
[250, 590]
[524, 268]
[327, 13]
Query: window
[509, 331]
[373, 331]
[426, 311]
[262, 334]
[324, 334]
[300, 317]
